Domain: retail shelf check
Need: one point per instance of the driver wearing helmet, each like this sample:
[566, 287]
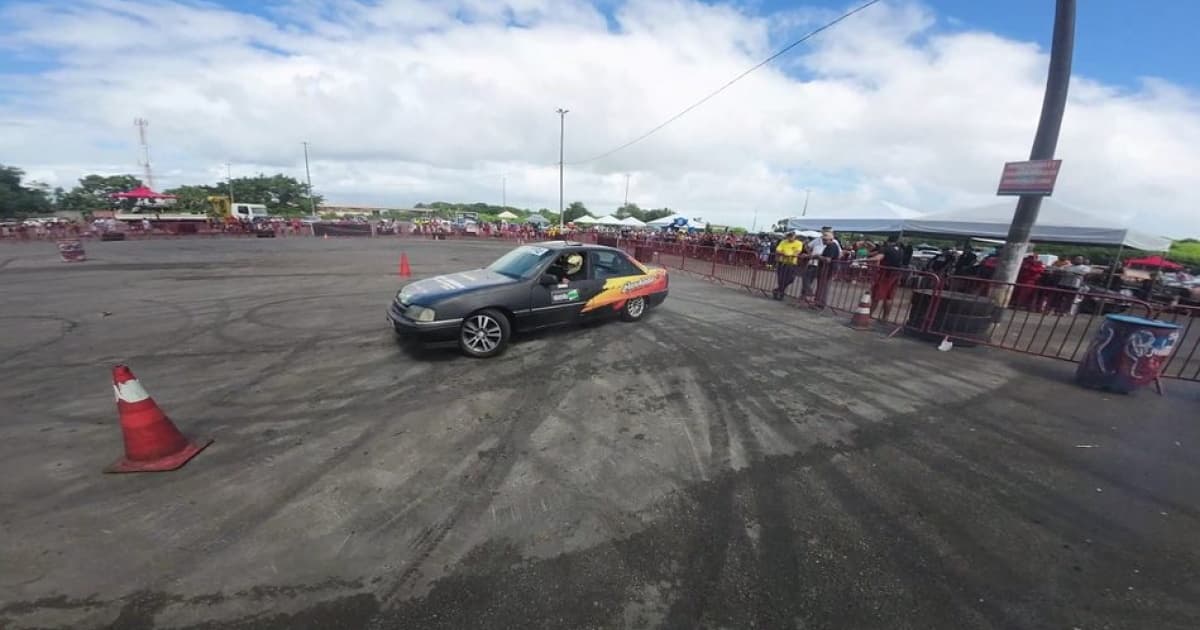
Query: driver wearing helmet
[572, 265]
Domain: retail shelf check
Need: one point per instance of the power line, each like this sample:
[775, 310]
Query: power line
[739, 77]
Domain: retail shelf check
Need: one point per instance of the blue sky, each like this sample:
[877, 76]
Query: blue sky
[1117, 41]
[910, 103]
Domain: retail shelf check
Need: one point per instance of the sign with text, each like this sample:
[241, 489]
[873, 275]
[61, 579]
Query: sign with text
[1035, 177]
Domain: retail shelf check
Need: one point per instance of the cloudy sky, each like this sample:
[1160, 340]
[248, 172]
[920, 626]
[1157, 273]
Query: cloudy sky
[907, 105]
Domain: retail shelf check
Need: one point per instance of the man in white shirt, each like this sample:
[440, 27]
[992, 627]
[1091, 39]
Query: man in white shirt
[813, 250]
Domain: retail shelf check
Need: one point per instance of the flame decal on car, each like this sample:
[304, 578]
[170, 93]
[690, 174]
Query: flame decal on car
[617, 291]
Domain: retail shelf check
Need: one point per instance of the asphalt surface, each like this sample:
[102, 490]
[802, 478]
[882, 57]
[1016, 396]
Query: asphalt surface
[729, 462]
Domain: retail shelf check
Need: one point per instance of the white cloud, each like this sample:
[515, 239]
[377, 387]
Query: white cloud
[416, 100]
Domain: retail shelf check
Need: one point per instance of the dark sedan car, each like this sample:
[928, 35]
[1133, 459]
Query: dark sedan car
[533, 286]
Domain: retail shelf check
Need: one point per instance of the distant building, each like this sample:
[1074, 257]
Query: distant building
[366, 211]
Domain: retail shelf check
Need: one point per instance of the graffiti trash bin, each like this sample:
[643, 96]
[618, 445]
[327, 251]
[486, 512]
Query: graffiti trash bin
[71, 251]
[1127, 353]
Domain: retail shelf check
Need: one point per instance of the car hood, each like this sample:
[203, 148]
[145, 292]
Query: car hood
[438, 288]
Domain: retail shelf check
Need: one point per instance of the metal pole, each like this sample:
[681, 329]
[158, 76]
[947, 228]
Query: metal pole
[1112, 269]
[804, 212]
[562, 123]
[503, 194]
[627, 190]
[312, 209]
[1045, 141]
[229, 179]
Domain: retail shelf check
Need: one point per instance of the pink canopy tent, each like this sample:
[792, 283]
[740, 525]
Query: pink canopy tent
[141, 192]
[1153, 262]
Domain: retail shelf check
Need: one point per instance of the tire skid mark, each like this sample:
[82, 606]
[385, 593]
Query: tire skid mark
[488, 473]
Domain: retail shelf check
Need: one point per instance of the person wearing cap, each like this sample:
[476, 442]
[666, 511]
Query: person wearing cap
[787, 255]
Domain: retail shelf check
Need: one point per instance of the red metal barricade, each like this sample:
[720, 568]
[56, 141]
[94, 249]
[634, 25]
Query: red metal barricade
[1184, 363]
[1045, 321]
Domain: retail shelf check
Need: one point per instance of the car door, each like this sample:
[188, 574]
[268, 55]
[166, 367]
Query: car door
[562, 302]
[610, 268]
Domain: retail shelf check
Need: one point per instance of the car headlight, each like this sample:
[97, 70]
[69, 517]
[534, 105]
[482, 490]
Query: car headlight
[420, 313]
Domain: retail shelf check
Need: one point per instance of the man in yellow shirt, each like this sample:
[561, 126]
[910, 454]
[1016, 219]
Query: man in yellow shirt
[787, 256]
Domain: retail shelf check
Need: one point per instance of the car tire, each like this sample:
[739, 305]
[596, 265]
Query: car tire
[634, 309]
[484, 334]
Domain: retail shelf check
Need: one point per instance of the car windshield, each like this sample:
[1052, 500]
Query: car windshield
[521, 262]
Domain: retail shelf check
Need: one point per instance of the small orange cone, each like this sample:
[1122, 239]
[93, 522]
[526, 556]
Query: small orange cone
[152, 443]
[405, 270]
[861, 320]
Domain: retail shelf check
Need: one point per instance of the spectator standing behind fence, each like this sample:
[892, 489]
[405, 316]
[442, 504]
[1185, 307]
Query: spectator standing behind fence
[831, 252]
[890, 259]
[808, 281]
[1070, 280]
[787, 255]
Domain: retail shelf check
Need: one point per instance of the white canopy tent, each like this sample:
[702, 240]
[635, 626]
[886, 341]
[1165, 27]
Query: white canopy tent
[506, 215]
[665, 221]
[586, 219]
[632, 222]
[692, 224]
[1057, 223]
[608, 219]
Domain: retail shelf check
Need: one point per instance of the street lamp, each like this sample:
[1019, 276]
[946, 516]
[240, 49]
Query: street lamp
[312, 209]
[562, 125]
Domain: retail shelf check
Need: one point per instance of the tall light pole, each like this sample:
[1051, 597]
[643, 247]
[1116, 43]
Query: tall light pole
[503, 194]
[562, 126]
[1045, 141]
[312, 209]
[229, 179]
[626, 189]
[804, 212]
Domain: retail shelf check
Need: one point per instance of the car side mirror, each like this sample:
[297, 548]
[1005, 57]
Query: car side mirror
[548, 279]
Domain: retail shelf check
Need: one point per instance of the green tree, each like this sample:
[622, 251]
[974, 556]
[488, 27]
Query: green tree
[195, 198]
[630, 210]
[18, 200]
[653, 215]
[573, 211]
[281, 194]
[93, 192]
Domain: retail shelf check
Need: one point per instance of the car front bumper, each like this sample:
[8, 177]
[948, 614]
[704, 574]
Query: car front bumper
[435, 331]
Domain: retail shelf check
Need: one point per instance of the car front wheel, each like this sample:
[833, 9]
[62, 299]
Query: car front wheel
[484, 334]
[634, 309]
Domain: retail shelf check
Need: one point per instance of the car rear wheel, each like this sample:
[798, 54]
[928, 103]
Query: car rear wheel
[634, 309]
[484, 334]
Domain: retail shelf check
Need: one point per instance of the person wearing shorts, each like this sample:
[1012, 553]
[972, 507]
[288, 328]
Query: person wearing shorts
[890, 259]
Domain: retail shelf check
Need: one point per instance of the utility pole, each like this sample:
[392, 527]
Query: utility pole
[147, 173]
[503, 194]
[1045, 141]
[804, 212]
[312, 209]
[229, 179]
[626, 189]
[562, 126]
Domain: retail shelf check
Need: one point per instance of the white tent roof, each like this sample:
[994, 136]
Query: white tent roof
[537, 219]
[1057, 223]
[608, 219]
[632, 222]
[506, 215]
[665, 221]
[586, 219]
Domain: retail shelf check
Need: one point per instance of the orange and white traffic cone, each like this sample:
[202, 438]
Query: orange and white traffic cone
[152, 443]
[861, 320]
[405, 270]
